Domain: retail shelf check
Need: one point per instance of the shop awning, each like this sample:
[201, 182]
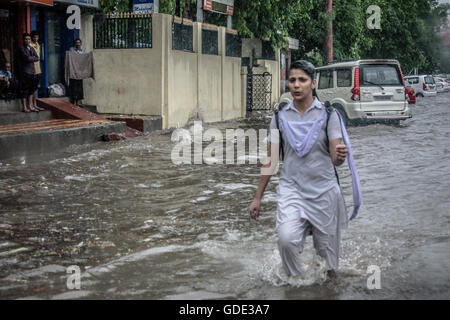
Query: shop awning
[82, 3]
[44, 2]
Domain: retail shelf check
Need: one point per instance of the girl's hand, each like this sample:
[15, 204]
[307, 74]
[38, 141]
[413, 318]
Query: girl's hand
[255, 209]
[341, 152]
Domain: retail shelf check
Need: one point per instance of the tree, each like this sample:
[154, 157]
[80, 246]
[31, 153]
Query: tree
[267, 19]
[408, 33]
[109, 6]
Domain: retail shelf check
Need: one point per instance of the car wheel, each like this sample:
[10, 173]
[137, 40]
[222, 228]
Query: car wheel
[419, 95]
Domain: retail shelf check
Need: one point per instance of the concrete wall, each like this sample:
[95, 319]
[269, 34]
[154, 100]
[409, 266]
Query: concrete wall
[176, 85]
[126, 81]
[249, 44]
[183, 98]
[210, 87]
[232, 107]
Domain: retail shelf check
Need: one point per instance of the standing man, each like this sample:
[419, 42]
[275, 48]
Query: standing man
[28, 57]
[37, 65]
[76, 85]
[309, 198]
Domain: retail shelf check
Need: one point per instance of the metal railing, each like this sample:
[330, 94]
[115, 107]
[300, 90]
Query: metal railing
[233, 44]
[259, 91]
[182, 36]
[210, 44]
[123, 31]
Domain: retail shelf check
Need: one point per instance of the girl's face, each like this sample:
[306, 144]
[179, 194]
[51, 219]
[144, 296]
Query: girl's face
[300, 84]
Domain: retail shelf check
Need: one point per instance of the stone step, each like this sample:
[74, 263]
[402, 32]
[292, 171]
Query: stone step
[10, 106]
[145, 124]
[22, 117]
[40, 137]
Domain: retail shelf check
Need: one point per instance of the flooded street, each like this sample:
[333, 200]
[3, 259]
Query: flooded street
[141, 227]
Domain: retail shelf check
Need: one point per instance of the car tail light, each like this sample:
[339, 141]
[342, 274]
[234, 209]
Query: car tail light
[356, 93]
[425, 87]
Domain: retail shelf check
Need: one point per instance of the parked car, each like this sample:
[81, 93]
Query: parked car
[423, 85]
[411, 95]
[447, 84]
[365, 91]
[441, 84]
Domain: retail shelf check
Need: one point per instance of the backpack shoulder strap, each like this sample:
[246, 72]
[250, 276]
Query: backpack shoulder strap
[277, 121]
[329, 110]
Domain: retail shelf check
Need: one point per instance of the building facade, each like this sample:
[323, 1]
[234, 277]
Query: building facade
[49, 19]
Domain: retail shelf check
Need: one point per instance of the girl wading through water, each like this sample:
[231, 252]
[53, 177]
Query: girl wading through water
[309, 198]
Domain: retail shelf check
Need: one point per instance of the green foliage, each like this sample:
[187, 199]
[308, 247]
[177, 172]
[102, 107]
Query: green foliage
[109, 6]
[267, 19]
[167, 6]
[408, 32]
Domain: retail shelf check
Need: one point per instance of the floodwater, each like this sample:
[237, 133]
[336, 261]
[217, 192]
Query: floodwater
[141, 227]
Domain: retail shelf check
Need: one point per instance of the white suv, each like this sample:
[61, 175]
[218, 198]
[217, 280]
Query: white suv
[423, 85]
[364, 91]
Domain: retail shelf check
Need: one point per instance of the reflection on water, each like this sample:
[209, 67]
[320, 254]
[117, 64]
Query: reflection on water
[140, 226]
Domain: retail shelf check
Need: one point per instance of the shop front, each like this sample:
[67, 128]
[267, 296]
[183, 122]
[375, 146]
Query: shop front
[49, 19]
[57, 38]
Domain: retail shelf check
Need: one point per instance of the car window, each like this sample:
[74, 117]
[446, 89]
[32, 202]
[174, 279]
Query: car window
[429, 80]
[326, 79]
[413, 80]
[380, 74]
[344, 77]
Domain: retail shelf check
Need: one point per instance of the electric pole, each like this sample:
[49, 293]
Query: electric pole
[328, 48]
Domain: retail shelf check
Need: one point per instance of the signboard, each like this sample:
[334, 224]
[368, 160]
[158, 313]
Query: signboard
[220, 6]
[83, 3]
[143, 6]
[46, 2]
[293, 43]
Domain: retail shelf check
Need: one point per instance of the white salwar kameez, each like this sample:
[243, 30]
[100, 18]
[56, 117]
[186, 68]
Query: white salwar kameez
[309, 199]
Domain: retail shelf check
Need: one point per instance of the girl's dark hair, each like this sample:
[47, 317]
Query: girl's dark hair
[304, 65]
[34, 33]
[25, 35]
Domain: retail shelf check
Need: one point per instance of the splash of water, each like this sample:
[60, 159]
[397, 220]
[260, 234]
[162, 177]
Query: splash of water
[314, 270]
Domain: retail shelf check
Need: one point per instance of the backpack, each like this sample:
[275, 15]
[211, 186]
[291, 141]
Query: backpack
[329, 110]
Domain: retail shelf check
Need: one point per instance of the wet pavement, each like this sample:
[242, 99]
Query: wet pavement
[141, 227]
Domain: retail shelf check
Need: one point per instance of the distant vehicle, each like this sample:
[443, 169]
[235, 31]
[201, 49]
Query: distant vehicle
[365, 91]
[411, 95]
[423, 85]
[441, 84]
[447, 83]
